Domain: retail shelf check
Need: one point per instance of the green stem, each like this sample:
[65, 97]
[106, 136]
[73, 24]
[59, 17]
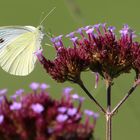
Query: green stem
[108, 114]
[124, 99]
[91, 97]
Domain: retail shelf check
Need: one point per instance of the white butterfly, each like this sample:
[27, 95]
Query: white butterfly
[17, 47]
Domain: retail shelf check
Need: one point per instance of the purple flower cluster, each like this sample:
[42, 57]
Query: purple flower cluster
[98, 49]
[36, 116]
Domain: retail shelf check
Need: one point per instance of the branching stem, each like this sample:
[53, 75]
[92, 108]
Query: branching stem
[91, 97]
[124, 99]
[109, 113]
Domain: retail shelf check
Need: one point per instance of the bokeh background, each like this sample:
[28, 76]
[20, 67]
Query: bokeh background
[68, 16]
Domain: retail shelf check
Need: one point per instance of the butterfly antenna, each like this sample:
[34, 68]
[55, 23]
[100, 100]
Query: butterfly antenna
[42, 13]
[47, 15]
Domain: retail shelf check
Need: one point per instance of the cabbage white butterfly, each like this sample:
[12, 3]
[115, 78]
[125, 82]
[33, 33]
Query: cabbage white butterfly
[17, 47]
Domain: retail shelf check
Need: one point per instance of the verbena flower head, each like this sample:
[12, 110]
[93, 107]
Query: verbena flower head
[98, 49]
[36, 116]
[136, 59]
[68, 64]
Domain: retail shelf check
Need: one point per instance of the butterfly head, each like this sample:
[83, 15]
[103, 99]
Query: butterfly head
[40, 28]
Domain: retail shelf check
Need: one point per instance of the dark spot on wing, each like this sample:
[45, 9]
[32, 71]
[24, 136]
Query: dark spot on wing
[1, 40]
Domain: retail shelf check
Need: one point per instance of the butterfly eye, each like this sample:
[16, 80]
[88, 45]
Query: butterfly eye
[40, 28]
[1, 40]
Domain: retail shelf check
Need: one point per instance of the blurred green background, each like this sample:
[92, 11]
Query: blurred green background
[68, 16]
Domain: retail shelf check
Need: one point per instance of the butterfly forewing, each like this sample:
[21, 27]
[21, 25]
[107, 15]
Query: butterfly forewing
[8, 34]
[17, 51]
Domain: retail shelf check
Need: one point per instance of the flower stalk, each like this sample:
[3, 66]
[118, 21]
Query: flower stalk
[108, 127]
[108, 114]
[124, 99]
[91, 97]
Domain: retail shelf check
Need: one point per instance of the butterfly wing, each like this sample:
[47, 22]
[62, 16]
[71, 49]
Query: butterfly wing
[9, 33]
[17, 50]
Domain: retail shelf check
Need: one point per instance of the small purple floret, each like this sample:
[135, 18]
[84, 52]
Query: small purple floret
[77, 97]
[96, 79]
[86, 27]
[38, 108]
[58, 44]
[67, 90]
[74, 39]
[34, 86]
[78, 116]
[14, 97]
[3, 92]
[38, 53]
[89, 112]
[19, 92]
[81, 99]
[15, 106]
[80, 30]
[71, 35]
[97, 26]
[62, 109]
[125, 30]
[103, 25]
[1, 119]
[96, 115]
[72, 111]
[59, 37]
[1, 98]
[112, 28]
[55, 39]
[61, 118]
[50, 130]
[44, 86]
[90, 31]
